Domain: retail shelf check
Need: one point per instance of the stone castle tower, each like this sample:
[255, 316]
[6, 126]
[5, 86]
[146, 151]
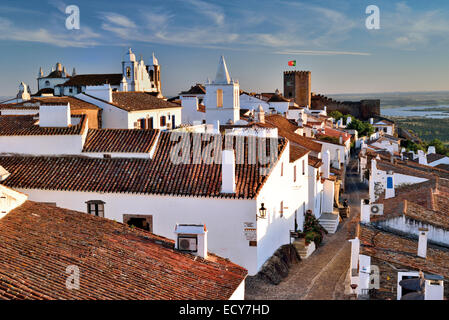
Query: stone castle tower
[298, 86]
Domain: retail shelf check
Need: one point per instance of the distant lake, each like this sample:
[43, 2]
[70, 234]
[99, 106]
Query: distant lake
[434, 112]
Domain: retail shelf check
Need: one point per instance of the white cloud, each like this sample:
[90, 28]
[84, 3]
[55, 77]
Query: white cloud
[211, 11]
[118, 20]
[84, 37]
[409, 29]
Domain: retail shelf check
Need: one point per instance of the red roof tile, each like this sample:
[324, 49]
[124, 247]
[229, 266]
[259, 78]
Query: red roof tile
[149, 176]
[120, 140]
[38, 242]
[25, 125]
[395, 248]
[135, 101]
[287, 130]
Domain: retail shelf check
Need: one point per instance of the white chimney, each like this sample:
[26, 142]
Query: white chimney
[326, 164]
[365, 211]
[228, 171]
[434, 287]
[348, 120]
[422, 242]
[431, 150]
[191, 238]
[422, 158]
[54, 115]
[338, 164]
[103, 92]
[389, 188]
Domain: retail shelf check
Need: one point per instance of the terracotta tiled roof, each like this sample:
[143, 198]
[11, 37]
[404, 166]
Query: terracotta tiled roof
[315, 162]
[197, 89]
[278, 98]
[120, 140]
[25, 125]
[297, 152]
[398, 249]
[426, 169]
[33, 103]
[94, 80]
[135, 101]
[435, 157]
[38, 243]
[158, 175]
[399, 167]
[287, 130]
[57, 74]
[395, 208]
[336, 133]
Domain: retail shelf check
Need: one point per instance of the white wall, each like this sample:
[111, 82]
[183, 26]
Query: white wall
[42, 145]
[328, 199]
[444, 160]
[239, 293]
[18, 112]
[112, 117]
[156, 114]
[281, 107]
[251, 102]
[224, 218]
[190, 112]
[408, 226]
[231, 103]
[333, 149]
[274, 231]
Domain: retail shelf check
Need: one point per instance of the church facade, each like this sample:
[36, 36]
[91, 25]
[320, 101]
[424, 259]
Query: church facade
[135, 76]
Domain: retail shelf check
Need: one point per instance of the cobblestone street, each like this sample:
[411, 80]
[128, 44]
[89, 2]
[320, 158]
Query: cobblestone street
[321, 276]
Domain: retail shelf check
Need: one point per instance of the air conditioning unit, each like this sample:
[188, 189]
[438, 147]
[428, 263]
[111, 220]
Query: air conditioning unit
[377, 209]
[188, 244]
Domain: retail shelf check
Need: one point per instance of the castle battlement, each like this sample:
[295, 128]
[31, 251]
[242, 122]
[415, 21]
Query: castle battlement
[300, 72]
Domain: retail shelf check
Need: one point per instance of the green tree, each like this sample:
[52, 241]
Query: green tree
[337, 115]
[363, 128]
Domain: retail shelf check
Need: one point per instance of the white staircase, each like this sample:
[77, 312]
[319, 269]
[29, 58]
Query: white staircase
[303, 250]
[330, 221]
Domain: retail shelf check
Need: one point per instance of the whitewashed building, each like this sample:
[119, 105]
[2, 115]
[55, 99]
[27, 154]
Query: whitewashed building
[249, 209]
[132, 110]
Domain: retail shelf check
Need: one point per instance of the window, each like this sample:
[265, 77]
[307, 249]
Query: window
[163, 121]
[281, 209]
[303, 167]
[294, 174]
[128, 72]
[282, 169]
[140, 221]
[142, 123]
[95, 207]
[47, 83]
[149, 123]
[151, 75]
[219, 98]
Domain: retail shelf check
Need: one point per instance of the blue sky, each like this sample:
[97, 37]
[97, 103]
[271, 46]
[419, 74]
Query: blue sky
[410, 52]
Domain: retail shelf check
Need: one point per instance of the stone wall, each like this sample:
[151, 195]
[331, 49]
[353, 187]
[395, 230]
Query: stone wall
[363, 109]
[389, 280]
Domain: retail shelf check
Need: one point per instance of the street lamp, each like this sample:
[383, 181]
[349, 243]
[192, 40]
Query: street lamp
[262, 212]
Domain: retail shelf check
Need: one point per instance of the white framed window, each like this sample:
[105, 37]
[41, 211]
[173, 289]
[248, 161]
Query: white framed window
[95, 208]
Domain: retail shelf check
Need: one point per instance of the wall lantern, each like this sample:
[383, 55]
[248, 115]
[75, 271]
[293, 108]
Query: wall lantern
[262, 212]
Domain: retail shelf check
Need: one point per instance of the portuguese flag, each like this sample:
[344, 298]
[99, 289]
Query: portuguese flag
[292, 63]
